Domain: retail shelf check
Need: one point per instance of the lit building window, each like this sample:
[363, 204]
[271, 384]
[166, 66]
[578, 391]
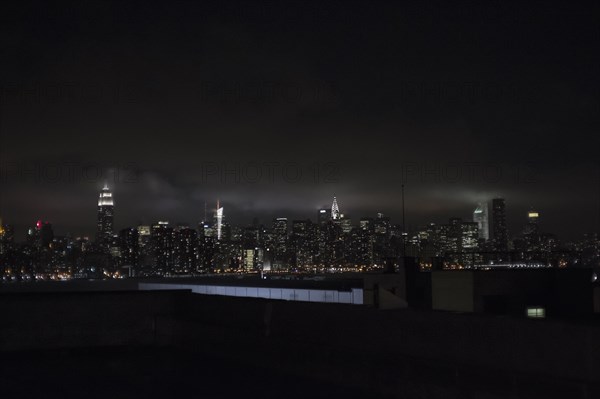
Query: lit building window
[536, 312]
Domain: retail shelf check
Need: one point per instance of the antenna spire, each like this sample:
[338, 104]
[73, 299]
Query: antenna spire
[335, 210]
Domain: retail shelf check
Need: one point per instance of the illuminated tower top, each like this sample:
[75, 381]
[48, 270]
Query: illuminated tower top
[335, 210]
[533, 216]
[105, 198]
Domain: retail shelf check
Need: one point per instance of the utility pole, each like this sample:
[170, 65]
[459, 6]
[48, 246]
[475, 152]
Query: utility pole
[404, 235]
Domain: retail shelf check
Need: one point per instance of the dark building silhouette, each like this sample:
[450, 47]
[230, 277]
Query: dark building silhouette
[302, 242]
[186, 254]
[359, 250]
[163, 247]
[6, 237]
[500, 230]
[40, 235]
[46, 234]
[323, 216]
[130, 248]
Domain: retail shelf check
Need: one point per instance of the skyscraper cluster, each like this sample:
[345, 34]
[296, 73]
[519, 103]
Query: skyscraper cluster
[332, 242]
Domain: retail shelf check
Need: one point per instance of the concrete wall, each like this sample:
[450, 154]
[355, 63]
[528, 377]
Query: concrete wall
[563, 293]
[455, 355]
[453, 290]
[354, 296]
[403, 353]
[83, 319]
[385, 291]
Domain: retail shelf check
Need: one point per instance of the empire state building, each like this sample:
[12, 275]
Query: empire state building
[105, 217]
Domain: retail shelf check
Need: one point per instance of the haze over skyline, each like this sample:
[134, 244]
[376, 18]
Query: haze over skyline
[241, 212]
[381, 94]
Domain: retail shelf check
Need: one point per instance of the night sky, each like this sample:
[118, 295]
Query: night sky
[460, 102]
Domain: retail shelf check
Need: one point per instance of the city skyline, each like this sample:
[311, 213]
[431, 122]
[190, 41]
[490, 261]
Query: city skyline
[480, 214]
[368, 199]
[329, 241]
[146, 198]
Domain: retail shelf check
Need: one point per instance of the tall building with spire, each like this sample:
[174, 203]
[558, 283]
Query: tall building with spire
[219, 220]
[105, 217]
[481, 217]
[335, 210]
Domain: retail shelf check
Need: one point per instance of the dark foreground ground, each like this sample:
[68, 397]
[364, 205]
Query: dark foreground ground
[151, 372]
[169, 344]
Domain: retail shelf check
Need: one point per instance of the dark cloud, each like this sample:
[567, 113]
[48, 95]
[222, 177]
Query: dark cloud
[437, 96]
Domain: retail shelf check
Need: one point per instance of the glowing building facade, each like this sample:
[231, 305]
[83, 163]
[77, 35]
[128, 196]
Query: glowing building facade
[481, 217]
[105, 217]
[532, 226]
[219, 221]
[335, 210]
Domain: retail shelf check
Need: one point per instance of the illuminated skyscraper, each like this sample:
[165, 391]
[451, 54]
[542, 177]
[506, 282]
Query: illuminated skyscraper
[360, 247]
[280, 238]
[303, 242]
[130, 248]
[105, 217]
[531, 232]
[382, 224]
[345, 224]
[532, 226]
[457, 241]
[252, 259]
[335, 210]
[163, 244]
[366, 224]
[219, 221]
[469, 235]
[143, 235]
[480, 216]
[186, 250]
[323, 216]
